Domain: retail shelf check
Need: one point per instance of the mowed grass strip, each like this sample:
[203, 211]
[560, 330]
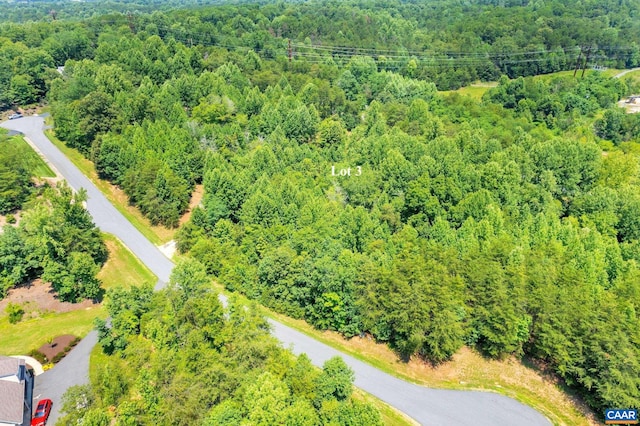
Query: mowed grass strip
[35, 165]
[156, 234]
[123, 267]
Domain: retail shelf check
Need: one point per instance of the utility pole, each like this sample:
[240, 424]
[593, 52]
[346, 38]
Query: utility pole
[586, 61]
[575, 70]
[289, 51]
[132, 26]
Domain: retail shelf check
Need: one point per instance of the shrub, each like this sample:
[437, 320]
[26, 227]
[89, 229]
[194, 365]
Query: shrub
[38, 356]
[15, 312]
[11, 219]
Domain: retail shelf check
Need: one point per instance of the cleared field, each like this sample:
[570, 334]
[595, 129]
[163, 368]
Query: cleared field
[474, 91]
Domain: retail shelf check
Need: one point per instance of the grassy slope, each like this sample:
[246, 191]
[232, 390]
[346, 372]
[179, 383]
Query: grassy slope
[121, 268]
[36, 165]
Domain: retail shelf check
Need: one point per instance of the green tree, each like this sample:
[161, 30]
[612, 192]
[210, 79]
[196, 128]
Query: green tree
[335, 381]
[266, 400]
[190, 278]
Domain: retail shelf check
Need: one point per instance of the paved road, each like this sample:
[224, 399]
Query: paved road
[427, 406]
[625, 72]
[73, 369]
[53, 383]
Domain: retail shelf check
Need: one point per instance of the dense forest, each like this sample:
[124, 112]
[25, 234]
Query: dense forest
[180, 358]
[342, 188]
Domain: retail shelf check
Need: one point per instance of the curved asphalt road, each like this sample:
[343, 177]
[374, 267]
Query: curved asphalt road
[625, 72]
[427, 406]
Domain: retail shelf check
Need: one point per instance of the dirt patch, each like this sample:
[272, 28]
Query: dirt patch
[38, 297]
[57, 346]
[630, 107]
[196, 199]
[168, 249]
[3, 220]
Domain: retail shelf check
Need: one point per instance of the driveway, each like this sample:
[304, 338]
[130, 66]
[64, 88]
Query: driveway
[427, 406]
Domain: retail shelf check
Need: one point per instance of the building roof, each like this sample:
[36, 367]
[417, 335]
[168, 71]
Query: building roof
[9, 366]
[12, 383]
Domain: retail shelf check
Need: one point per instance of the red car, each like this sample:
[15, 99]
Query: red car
[42, 412]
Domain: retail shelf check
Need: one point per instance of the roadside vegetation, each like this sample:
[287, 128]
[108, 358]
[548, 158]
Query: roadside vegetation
[172, 352]
[156, 234]
[122, 267]
[55, 239]
[16, 150]
[466, 370]
[19, 166]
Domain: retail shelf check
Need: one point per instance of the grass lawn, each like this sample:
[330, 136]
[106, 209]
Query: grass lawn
[34, 163]
[122, 268]
[474, 91]
[156, 234]
[20, 338]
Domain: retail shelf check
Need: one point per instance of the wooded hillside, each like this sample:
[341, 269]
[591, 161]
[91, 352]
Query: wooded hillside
[509, 225]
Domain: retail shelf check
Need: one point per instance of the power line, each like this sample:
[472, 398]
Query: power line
[319, 54]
